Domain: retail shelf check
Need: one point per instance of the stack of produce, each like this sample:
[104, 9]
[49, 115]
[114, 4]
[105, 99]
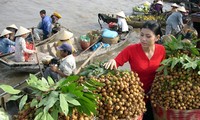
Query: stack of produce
[177, 83]
[122, 94]
[140, 19]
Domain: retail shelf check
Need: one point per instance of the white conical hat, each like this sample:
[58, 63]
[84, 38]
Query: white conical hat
[65, 35]
[5, 32]
[22, 31]
[121, 14]
[146, 3]
[174, 5]
[182, 9]
[12, 26]
[160, 2]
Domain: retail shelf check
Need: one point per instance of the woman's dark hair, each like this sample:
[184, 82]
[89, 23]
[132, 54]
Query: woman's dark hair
[153, 26]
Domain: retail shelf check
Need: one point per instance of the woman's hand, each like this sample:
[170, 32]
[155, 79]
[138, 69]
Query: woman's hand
[110, 64]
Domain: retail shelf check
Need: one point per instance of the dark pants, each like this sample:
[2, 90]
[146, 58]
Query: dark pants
[148, 115]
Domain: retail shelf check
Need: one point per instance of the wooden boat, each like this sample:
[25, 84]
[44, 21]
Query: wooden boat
[81, 56]
[47, 50]
[32, 65]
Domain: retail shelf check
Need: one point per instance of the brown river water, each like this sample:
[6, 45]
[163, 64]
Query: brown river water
[80, 16]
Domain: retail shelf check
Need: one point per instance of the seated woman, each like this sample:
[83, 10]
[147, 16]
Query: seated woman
[13, 28]
[5, 43]
[122, 24]
[65, 37]
[20, 47]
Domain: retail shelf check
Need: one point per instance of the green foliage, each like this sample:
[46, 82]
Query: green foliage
[9, 89]
[176, 47]
[52, 98]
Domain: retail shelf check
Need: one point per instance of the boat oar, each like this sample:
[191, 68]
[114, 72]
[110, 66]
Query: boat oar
[91, 56]
[36, 54]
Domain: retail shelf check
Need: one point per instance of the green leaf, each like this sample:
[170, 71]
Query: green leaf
[174, 62]
[43, 101]
[15, 97]
[9, 89]
[22, 102]
[71, 100]
[39, 116]
[34, 102]
[63, 104]
[48, 116]
[53, 97]
[50, 81]
[160, 68]
[54, 113]
[67, 80]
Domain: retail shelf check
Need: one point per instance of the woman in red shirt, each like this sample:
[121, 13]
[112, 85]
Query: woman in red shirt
[144, 57]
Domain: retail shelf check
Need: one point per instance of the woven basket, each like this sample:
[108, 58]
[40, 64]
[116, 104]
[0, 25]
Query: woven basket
[94, 36]
[111, 40]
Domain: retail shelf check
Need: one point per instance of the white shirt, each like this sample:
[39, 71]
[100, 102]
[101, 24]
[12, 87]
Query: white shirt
[67, 65]
[123, 24]
[20, 48]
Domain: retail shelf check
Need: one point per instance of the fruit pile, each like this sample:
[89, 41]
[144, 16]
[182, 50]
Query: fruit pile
[177, 84]
[145, 18]
[122, 96]
[180, 89]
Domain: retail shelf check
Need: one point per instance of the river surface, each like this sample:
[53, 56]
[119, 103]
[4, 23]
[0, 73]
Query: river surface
[80, 16]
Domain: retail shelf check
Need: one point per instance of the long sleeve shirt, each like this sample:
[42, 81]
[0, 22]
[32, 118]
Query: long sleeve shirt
[20, 49]
[175, 19]
[140, 63]
[46, 25]
[123, 24]
[5, 45]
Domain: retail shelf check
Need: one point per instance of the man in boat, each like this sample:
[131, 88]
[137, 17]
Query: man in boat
[122, 24]
[66, 66]
[175, 21]
[44, 28]
[55, 25]
[5, 42]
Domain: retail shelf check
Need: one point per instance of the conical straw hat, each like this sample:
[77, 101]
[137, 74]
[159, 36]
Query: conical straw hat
[22, 31]
[182, 9]
[12, 26]
[160, 2]
[174, 5]
[5, 32]
[121, 14]
[65, 35]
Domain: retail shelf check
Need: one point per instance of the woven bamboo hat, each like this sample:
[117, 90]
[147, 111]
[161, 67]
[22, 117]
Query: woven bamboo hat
[181, 9]
[65, 35]
[57, 15]
[160, 2]
[174, 5]
[121, 14]
[22, 31]
[5, 32]
[12, 26]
